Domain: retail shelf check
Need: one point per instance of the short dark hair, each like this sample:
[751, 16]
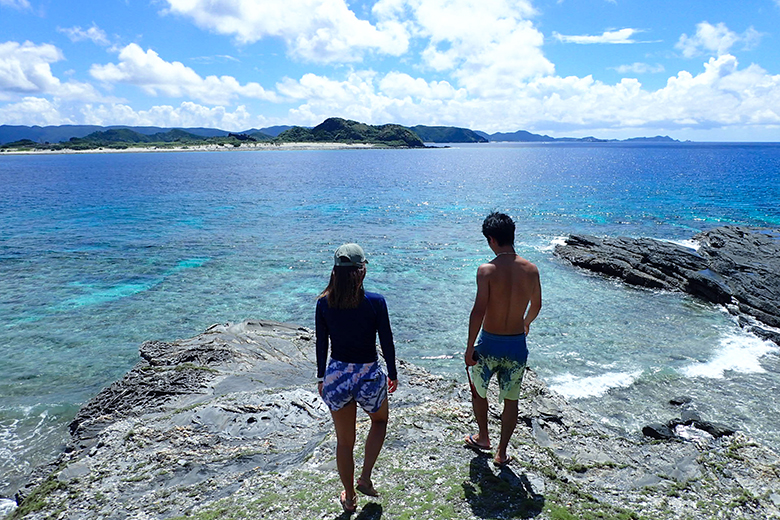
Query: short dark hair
[500, 227]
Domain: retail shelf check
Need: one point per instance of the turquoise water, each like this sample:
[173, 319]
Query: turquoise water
[99, 253]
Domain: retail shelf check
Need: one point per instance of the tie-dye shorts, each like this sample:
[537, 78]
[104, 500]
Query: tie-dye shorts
[364, 383]
[505, 356]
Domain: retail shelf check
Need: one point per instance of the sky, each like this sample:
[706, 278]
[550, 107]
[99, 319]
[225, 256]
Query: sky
[698, 70]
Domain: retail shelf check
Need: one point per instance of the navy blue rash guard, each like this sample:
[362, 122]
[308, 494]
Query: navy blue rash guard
[352, 333]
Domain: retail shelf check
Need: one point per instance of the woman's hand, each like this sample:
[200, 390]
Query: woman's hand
[392, 384]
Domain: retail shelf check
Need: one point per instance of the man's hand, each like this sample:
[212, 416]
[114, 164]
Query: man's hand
[319, 388]
[469, 357]
[392, 384]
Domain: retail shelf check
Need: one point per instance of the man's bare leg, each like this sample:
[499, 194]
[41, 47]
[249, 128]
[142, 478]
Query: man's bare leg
[480, 407]
[508, 423]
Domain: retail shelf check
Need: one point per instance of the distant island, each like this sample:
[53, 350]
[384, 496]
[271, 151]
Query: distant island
[521, 136]
[333, 130]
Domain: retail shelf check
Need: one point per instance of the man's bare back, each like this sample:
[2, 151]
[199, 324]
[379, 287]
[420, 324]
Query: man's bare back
[509, 296]
[512, 283]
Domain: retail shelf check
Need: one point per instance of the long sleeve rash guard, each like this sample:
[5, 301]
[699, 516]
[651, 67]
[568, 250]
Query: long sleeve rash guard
[353, 332]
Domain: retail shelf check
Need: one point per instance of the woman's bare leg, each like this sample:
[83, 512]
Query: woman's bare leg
[344, 421]
[374, 441]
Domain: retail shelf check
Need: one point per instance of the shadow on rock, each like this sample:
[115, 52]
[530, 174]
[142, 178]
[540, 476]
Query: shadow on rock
[501, 495]
[371, 511]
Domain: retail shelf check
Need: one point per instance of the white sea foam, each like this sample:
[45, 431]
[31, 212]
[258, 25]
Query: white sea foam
[737, 352]
[574, 387]
[557, 241]
[6, 506]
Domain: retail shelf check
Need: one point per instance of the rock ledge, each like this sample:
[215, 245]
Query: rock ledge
[229, 425]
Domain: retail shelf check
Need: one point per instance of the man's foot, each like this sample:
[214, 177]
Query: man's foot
[348, 504]
[472, 442]
[498, 461]
[366, 487]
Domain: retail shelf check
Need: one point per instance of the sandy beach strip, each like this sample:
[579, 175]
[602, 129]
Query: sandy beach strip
[202, 148]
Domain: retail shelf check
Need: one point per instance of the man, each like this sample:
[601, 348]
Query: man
[509, 297]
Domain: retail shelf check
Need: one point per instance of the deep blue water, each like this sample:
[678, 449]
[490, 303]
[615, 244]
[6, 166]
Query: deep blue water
[101, 252]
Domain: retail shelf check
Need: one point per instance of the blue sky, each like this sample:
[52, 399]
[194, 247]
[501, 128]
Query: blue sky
[705, 71]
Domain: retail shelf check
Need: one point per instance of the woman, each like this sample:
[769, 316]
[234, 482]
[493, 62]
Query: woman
[351, 319]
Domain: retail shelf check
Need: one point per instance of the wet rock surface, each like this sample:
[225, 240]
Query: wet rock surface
[735, 266]
[229, 425]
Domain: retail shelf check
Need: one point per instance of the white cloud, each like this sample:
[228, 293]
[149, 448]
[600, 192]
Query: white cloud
[25, 69]
[640, 68]
[314, 30]
[77, 34]
[489, 46]
[186, 115]
[619, 36]
[156, 76]
[720, 96]
[715, 39]
[33, 111]
[16, 4]
[41, 111]
[399, 85]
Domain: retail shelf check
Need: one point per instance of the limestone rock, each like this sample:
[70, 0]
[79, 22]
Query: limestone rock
[229, 424]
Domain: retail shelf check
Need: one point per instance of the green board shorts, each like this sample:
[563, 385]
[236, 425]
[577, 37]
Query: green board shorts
[505, 356]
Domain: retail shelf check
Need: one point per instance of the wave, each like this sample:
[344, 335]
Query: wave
[549, 246]
[737, 352]
[575, 387]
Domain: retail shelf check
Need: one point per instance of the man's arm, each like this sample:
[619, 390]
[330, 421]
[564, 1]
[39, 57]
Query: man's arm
[478, 311]
[535, 304]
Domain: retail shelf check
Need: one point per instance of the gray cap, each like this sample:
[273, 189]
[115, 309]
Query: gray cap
[349, 255]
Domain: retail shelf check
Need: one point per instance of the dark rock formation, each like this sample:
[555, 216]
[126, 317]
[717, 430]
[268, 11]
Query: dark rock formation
[735, 266]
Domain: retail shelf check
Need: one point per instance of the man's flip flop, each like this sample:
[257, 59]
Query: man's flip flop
[471, 443]
[504, 463]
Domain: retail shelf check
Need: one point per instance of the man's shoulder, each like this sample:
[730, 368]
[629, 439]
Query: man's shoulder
[528, 265]
[485, 268]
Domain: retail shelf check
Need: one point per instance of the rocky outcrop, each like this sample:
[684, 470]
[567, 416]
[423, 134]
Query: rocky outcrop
[229, 425]
[738, 267]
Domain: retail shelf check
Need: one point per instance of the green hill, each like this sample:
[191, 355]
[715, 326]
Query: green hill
[337, 130]
[125, 135]
[447, 134]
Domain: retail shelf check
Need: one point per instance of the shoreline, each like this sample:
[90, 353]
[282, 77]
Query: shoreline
[244, 147]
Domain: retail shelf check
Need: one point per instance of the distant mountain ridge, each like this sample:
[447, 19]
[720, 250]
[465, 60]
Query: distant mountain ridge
[62, 133]
[432, 134]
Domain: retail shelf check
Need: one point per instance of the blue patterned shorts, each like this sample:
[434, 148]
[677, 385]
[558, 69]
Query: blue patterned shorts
[505, 356]
[364, 383]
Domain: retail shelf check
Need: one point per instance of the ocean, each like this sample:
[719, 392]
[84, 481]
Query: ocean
[100, 252]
